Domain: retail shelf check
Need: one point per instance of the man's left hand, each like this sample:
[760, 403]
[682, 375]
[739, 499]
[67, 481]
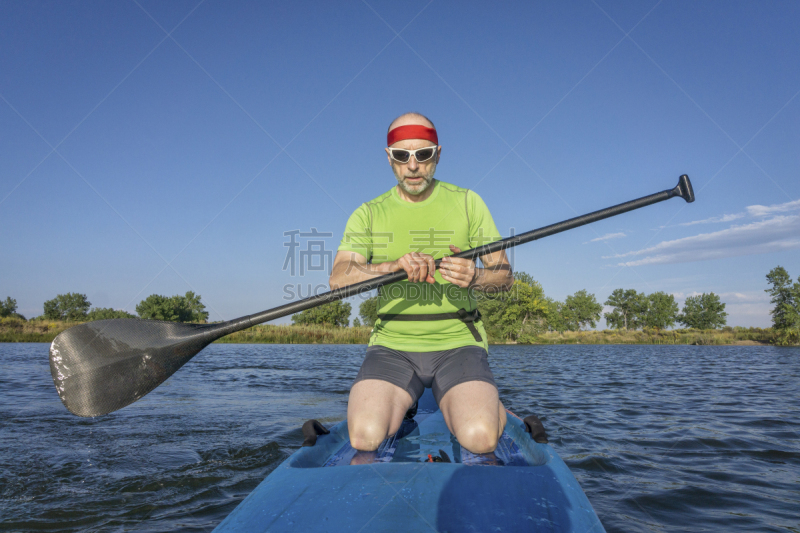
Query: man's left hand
[457, 270]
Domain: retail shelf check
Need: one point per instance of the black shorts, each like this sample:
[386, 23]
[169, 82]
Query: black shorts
[413, 371]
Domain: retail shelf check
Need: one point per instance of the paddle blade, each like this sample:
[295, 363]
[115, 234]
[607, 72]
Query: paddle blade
[102, 366]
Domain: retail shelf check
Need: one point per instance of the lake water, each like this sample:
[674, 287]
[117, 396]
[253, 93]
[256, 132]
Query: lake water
[661, 438]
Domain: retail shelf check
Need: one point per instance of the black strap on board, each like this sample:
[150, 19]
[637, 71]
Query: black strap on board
[535, 427]
[467, 317]
[311, 430]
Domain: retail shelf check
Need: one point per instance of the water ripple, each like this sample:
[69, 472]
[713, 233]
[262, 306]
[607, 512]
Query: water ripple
[661, 438]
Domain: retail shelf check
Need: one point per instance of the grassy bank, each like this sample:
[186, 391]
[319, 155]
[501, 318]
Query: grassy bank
[322, 335]
[725, 336]
[15, 330]
[267, 334]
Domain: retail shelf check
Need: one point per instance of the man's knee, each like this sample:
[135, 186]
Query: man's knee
[367, 436]
[478, 437]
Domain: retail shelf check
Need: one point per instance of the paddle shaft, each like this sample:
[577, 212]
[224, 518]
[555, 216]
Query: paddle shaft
[682, 190]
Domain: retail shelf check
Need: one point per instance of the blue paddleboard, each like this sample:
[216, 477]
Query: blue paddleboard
[410, 486]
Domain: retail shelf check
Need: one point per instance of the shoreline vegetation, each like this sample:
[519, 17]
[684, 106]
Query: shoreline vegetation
[522, 314]
[16, 330]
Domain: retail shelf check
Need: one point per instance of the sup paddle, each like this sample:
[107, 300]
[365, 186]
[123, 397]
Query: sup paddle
[99, 367]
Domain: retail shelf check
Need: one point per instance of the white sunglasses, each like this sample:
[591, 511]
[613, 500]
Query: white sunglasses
[402, 155]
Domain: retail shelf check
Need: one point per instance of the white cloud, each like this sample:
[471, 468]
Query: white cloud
[756, 211]
[763, 210]
[740, 299]
[749, 310]
[608, 237]
[714, 220]
[772, 235]
[681, 296]
[750, 297]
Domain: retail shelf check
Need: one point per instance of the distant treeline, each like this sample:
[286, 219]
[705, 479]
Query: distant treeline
[67, 310]
[526, 315]
[76, 307]
[523, 315]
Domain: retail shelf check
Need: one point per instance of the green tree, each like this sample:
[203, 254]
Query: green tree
[786, 299]
[335, 314]
[524, 277]
[629, 309]
[72, 307]
[662, 311]
[515, 313]
[704, 311]
[8, 307]
[187, 308]
[104, 313]
[368, 311]
[581, 310]
[196, 307]
[356, 323]
[555, 316]
[158, 307]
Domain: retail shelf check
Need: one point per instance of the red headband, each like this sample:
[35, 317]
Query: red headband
[412, 131]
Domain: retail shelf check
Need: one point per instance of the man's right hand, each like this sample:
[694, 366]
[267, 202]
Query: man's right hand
[419, 267]
[351, 267]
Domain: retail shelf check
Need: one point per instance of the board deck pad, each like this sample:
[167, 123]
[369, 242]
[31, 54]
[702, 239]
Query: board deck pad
[522, 486]
[412, 445]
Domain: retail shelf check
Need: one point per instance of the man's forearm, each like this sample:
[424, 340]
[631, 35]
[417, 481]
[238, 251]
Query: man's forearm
[493, 279]
[344, 274]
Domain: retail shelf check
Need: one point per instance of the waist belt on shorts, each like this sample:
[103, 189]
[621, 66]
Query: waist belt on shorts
[467, 317]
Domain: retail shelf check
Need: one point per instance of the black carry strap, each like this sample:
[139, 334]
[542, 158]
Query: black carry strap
[311, 430]
[467, 317]
[535, 427]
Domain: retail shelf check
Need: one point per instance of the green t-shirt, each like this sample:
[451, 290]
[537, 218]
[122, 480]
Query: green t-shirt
[389, 227]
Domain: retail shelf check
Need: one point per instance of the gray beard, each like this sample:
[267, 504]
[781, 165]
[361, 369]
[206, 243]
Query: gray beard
[416, 189]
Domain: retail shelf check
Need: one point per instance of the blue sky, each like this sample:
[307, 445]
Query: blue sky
[158, 147]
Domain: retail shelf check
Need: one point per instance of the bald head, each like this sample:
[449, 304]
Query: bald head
[411, 118]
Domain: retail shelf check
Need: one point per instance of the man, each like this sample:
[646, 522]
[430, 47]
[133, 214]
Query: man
[428, 333]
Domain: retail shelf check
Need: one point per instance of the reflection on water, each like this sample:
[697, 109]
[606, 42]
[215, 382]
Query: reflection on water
[661, 438]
